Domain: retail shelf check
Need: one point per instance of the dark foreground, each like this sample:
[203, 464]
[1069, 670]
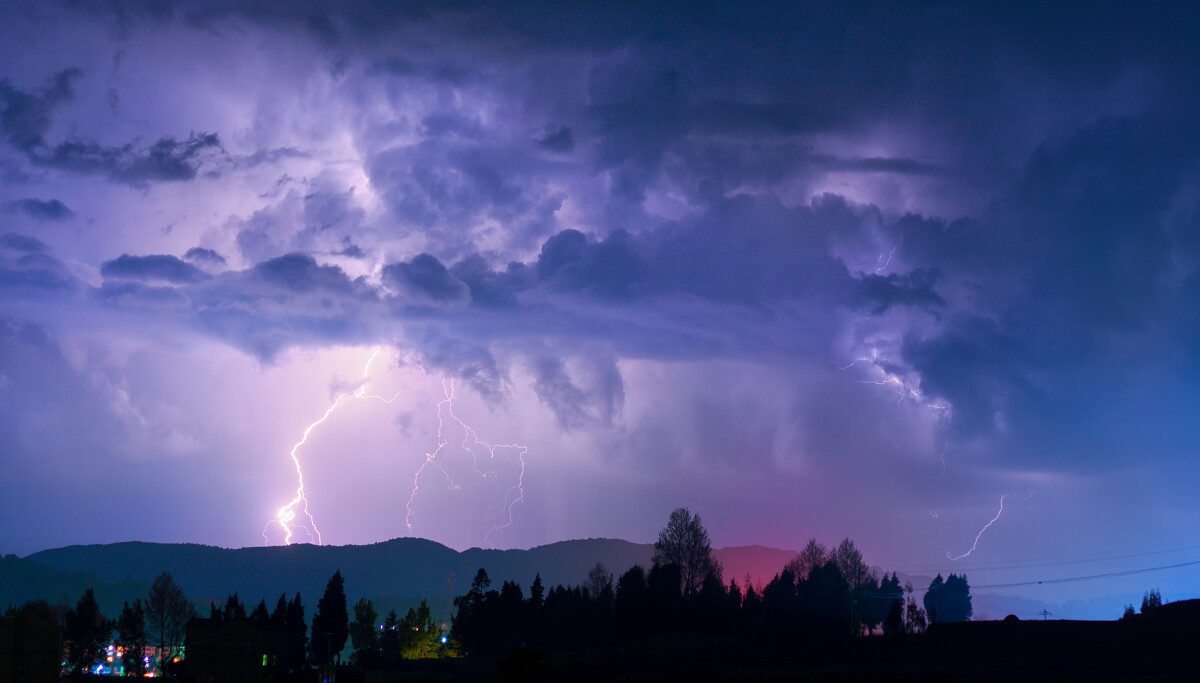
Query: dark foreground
[1142, 649]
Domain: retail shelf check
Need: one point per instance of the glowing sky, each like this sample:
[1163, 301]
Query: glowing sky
[839, 269]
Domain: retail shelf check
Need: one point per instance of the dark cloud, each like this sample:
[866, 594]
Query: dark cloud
[203, 256]
[425, 276]
[1073, 269]
[556, 139]
[167, 160]
[917, 288]
[42, 209]
[40, 273]
[301, 273]
[592, 400]
[155, 267]
[130, 295]
[351, 251]
[16, 242]
[26, 118]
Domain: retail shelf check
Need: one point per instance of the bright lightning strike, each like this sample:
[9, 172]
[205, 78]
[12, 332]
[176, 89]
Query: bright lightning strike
[503, 502]
[286, 516]
[980, 534]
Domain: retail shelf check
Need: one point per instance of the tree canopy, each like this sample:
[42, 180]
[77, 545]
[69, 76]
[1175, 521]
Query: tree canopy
[167, 614]
[684, 542]
[331, 623]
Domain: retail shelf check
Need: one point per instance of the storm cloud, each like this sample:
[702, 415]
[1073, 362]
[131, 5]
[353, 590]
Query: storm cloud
[856, 270]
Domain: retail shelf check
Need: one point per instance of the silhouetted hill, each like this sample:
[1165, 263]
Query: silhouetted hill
[395, 573]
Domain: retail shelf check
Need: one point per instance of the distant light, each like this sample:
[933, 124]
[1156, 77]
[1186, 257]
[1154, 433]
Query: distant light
[443, 640]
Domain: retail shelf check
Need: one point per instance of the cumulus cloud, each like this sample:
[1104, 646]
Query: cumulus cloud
[153, 267]
[204, 257]
[42, 209]
[425, 276]
[18, 242]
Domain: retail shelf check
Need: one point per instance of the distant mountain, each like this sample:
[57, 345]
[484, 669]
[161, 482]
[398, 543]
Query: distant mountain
[395, 573]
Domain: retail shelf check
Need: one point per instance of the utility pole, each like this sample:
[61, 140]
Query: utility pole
[1045, 613]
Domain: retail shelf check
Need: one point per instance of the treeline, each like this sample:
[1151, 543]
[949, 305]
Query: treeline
[150, 635]
[823, 593]
[158, 621]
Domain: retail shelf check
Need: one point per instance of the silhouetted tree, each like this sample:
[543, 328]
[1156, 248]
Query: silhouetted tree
[1151, 601]
[752, 608]
[297, 630]
[234, 609]
[599, 587]
[331, 623]
[390, 638]
[684, 542]
[469, 612]
[631, 606]
[823, 604]
[914, 616]
[666, 601]
[868, 607]
[850, 563]
[710, 613]
[86, 633]
[948, 601]
[131, 637]
[812, 556]
[260, 614]
[1129, 612]
[167, 615]
[537, 593]
[893, 624]
[781, 604]
[364, 636]
[279, 615]
[888, 597]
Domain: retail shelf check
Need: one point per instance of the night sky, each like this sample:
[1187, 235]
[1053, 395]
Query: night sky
[807, 269]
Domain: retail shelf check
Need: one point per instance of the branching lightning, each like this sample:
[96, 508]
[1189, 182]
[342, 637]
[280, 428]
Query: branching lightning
[286, 516]
[472, 444]
[980, 534]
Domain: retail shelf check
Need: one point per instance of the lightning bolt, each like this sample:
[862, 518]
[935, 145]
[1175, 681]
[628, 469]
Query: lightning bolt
[980, 534]
[286, 516]
[888, 262]
[472, 444]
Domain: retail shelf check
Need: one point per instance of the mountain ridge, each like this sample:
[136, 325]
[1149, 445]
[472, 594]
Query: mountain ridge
[396, 573]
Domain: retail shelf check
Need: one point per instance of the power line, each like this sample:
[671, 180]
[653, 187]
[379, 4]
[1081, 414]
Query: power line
[1093, 577]
[1083, 558]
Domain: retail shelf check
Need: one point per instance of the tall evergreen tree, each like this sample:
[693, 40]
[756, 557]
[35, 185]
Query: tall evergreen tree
[260, 613]
[86, 631]
[131, 637]
[297, 630]
[279, 615]
[331, 623]
[234, 609]
[390, 638]
[364, 635]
